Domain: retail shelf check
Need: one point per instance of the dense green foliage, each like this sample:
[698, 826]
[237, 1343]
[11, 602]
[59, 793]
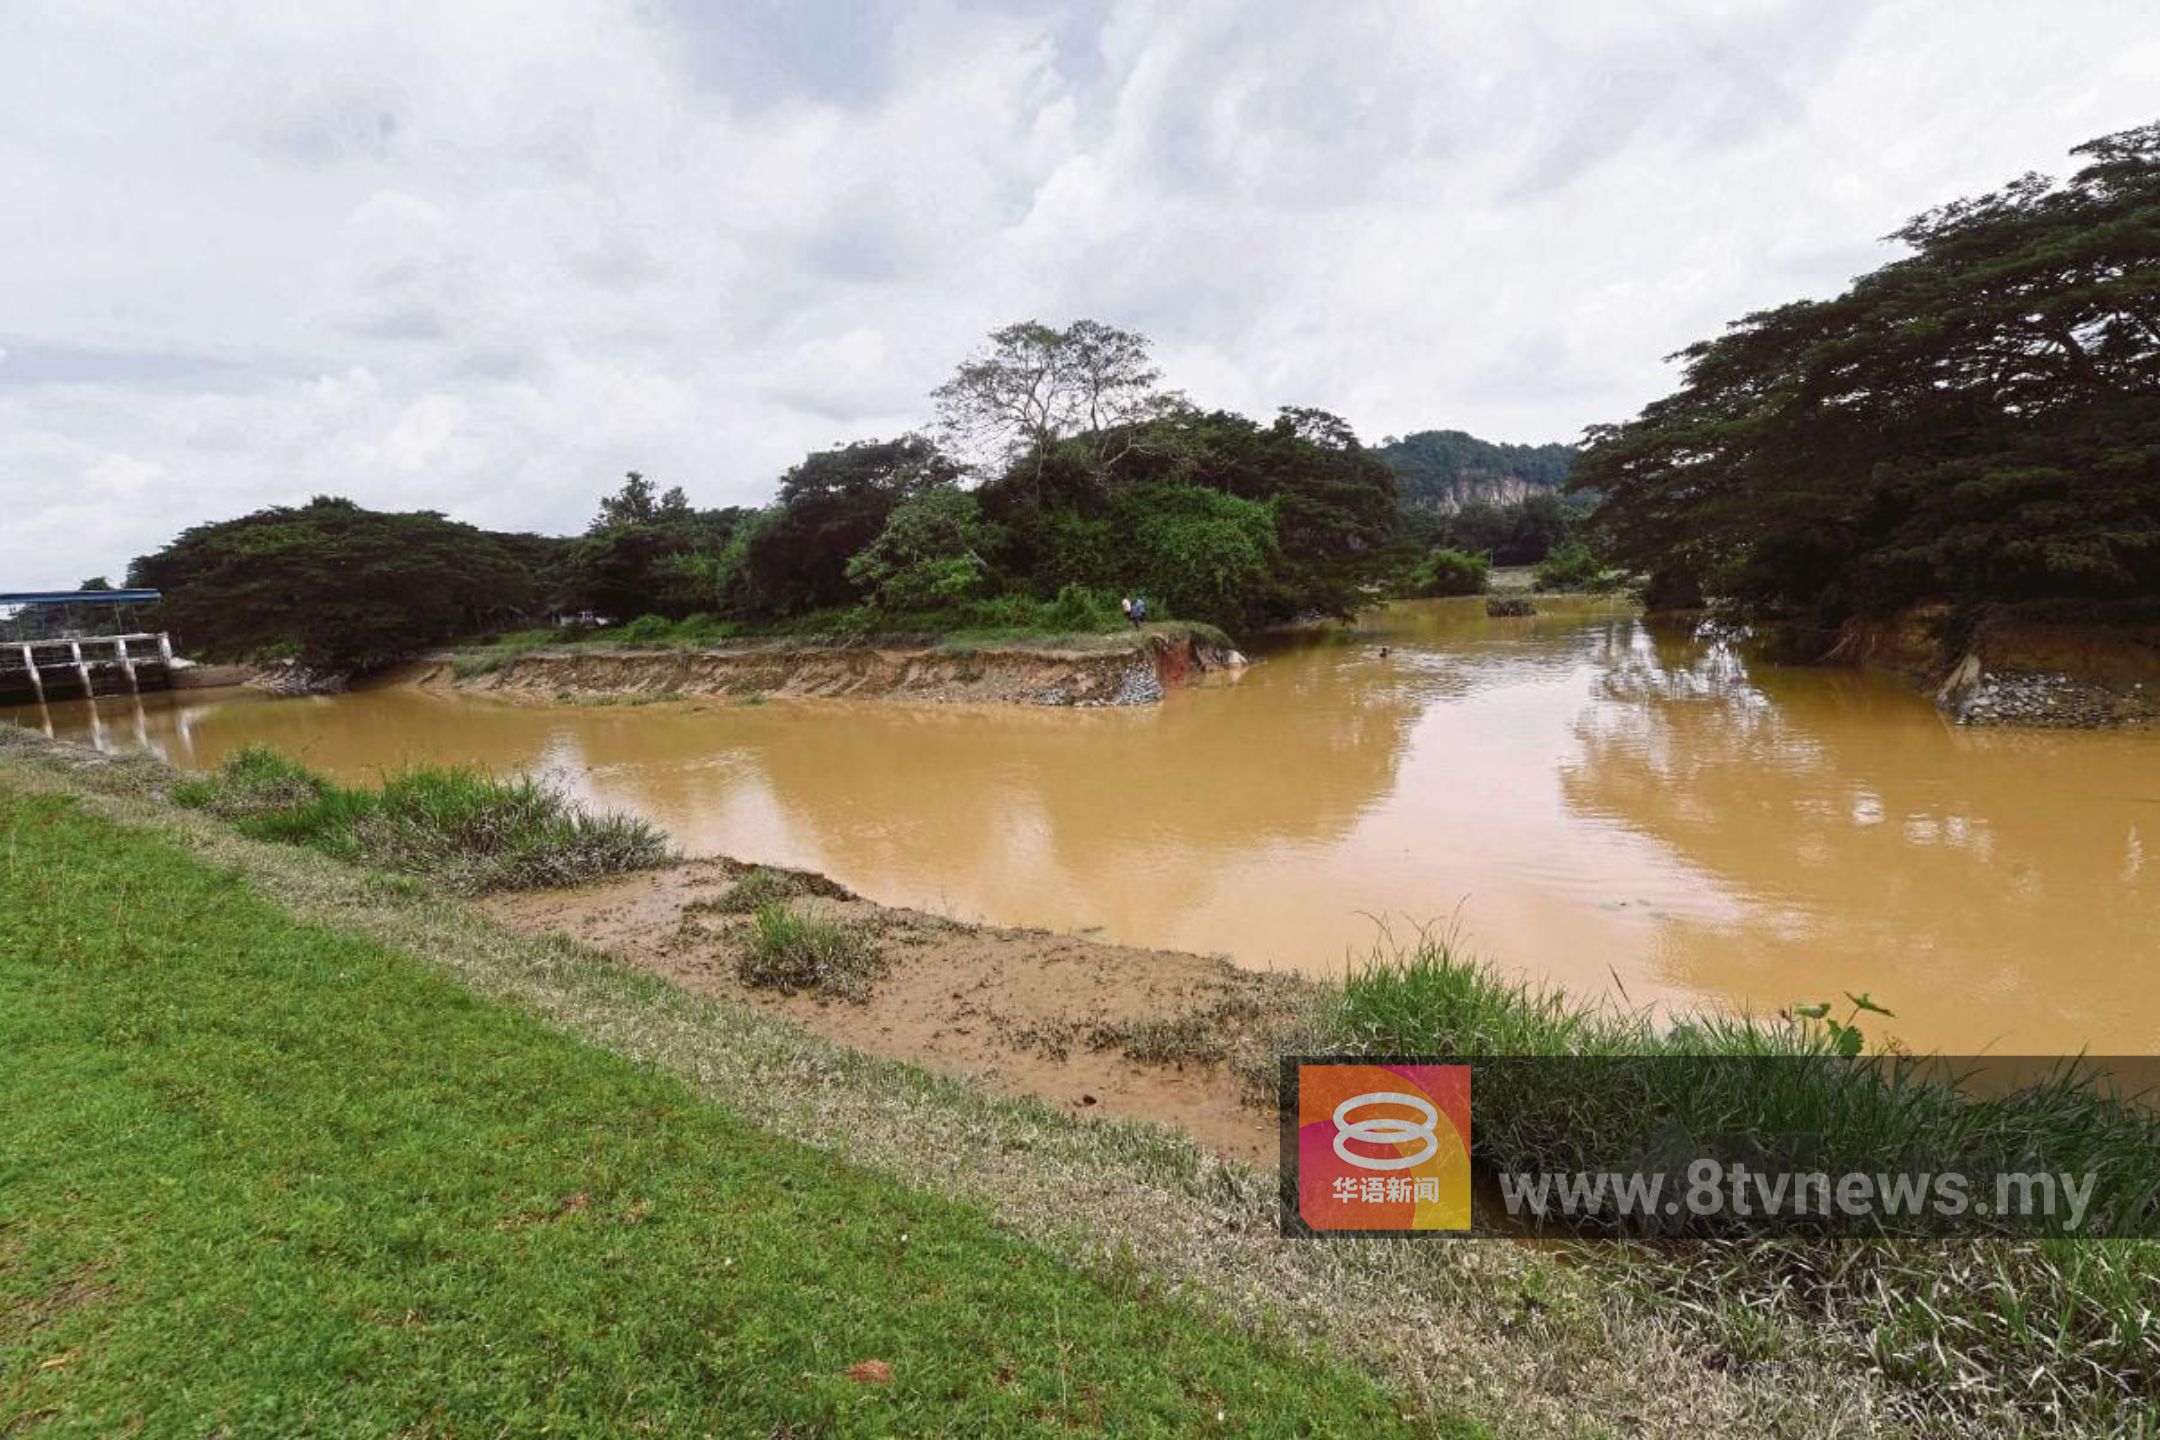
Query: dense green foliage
[644, 554]
[265, 1178]
[1098, 484]
[1447, 469]
[1449, 572]
[1978, 422]
[1573, 566]
[338, 586]
[1092, 483]
[465, 830]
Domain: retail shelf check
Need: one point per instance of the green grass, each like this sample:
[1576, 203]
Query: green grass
[2039, 1330]
[462, 828]
[1077, 619]
[265, 1178]
[790, 953]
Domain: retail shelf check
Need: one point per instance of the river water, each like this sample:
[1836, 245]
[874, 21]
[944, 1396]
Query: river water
[1581, 798]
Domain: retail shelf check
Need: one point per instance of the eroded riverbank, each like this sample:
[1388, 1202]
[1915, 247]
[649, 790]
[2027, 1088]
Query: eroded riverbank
[1112, 670]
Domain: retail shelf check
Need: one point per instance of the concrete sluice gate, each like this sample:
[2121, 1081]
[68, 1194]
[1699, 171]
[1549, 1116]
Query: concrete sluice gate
[85, 665]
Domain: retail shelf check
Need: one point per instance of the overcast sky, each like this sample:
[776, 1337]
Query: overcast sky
[483, 257]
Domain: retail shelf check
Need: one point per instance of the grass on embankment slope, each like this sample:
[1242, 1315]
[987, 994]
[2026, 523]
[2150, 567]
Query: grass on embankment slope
[264, 1177]
[1535, 1346]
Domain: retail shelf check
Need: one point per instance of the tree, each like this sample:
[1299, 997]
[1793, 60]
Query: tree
[933, 552]
[340, 587]
[639, 556]
[636, 504]
[1034, 385]
[832, 505]
[1979, 421]
[1207, 555]
[1450, 572]
[1333, 508]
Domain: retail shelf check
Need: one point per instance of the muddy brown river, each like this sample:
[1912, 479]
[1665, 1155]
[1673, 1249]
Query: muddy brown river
[1581, 798]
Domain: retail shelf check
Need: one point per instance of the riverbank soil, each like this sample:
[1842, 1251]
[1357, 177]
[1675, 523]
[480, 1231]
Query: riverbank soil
[1093, 1028]
[1115, 669]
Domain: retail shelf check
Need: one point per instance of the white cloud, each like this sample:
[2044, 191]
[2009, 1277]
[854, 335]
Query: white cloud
[485, 257]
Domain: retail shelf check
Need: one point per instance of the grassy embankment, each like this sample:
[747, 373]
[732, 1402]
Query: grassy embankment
[2010, 1332]
[326, 1138]
[2003, 1330]
[266, 1177]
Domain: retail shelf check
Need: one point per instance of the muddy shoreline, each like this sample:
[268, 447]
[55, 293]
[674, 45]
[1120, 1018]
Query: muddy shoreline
[1126, 671]
[1091, 1027]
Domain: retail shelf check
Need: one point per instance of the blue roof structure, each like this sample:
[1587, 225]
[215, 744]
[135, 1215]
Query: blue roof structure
[78, 597]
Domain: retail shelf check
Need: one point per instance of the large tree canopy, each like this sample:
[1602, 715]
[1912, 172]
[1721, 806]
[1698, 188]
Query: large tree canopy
[342, 587]
[1034, 385]
[1977, 422]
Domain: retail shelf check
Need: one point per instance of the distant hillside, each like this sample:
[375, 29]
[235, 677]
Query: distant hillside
[1447, 469]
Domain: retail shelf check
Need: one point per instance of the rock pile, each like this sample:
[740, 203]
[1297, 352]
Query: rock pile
[2053, 701]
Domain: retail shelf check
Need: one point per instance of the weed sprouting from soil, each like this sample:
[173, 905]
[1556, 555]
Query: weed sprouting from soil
[791, 953]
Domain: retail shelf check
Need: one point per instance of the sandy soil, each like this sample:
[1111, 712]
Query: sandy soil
[1022, 1012]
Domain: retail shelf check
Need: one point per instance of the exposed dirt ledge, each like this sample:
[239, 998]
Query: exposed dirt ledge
[1092, 1027]
[1132, 671]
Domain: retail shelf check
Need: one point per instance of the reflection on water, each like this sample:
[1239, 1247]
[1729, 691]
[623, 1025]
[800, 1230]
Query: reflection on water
[1587, 797]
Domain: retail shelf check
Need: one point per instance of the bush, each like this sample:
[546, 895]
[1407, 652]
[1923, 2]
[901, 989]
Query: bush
[789, 953]
[464, 829]
[647, 630]
[254, 780]
[1450, 572]
[1571, 567]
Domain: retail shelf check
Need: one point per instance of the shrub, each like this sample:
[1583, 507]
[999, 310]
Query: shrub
[647, 630]
[789, 953]
[1570, 567]
[254, 780]
[468, 831]
[1450, 572]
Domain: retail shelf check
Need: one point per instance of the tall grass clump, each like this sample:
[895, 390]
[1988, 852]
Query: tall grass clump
[2025, 1331]
[469, 831]
[790, 953]
[253, 781]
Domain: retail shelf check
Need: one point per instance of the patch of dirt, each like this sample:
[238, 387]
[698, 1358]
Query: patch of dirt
[1119, 671]
[1096, 1029]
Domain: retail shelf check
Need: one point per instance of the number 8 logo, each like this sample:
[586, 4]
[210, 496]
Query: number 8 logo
[1386, 1130]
